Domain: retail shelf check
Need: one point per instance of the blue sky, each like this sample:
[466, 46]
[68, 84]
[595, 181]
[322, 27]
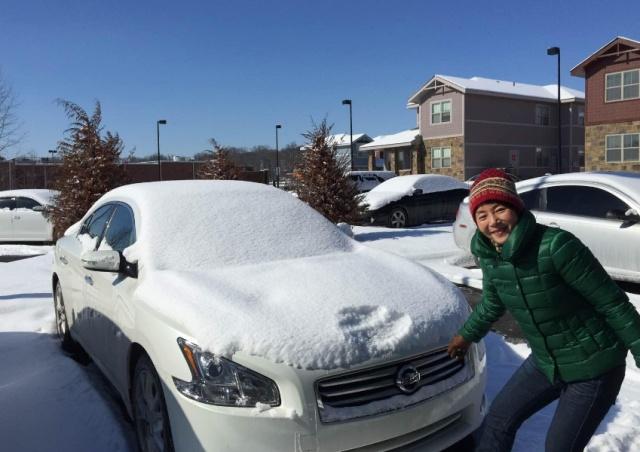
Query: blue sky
[232, 70]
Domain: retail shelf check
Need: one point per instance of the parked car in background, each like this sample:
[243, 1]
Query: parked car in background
[366, 180]
[600, 208]
[23, 215]
[414, 200]
[217, 332]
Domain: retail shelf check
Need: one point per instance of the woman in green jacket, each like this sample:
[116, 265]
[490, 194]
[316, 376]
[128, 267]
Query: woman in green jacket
[577, 321]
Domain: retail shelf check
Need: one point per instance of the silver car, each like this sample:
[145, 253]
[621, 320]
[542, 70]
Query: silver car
[600, 208]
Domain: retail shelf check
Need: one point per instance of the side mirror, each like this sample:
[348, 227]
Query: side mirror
[38, 208]
[109, 261]
[102, 260]
[417, 191]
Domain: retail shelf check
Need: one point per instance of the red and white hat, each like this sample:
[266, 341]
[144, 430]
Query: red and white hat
[494, 185]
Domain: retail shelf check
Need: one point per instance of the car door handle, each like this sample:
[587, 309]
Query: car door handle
[88, 279]
[17, 217]
[63, 260]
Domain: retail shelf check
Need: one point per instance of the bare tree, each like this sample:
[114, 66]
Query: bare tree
[10, 134]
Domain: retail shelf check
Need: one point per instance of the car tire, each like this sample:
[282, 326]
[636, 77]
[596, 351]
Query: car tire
[150, 418]
[62, 325]
[398, 218]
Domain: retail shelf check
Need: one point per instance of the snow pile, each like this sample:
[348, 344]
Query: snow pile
[322, 312]
[187, 225]
[398, 187]
[23, 250]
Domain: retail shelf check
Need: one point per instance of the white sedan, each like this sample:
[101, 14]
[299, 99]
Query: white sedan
[23, 215]
[601, 209]
[226, 330]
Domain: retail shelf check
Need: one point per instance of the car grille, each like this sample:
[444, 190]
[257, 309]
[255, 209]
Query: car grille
[368, 385]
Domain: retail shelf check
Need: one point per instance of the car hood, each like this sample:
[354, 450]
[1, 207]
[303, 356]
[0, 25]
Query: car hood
[322, 312]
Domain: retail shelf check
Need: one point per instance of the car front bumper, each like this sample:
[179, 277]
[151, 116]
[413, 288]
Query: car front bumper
[433, 424]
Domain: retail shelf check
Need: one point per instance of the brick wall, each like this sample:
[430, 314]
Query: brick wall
[457, 156]
[41, 175]
[594, 146]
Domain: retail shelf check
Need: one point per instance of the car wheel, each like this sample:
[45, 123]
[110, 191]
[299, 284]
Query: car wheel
[62, 325]
[149, 409]
[398, 218]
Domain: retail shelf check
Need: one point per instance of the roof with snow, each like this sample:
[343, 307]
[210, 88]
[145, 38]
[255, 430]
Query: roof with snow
[616, 47]
[494, 87]
[344, 139]
[403, 138]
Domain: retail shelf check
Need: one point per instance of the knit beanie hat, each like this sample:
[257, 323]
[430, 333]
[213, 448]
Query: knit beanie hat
[494, 185]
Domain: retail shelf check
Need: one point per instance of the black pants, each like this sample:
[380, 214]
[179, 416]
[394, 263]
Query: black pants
[581, 407]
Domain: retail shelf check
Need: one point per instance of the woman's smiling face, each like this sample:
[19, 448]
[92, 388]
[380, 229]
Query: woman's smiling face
[496, 221]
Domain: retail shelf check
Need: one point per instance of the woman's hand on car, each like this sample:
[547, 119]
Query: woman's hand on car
[458, 347]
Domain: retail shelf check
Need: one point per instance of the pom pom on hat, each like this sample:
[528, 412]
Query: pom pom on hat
[494, 185]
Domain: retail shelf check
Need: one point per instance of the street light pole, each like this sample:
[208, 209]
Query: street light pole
[349, 103]
[556, 51]
[160, 121]
[278, 126]
[52, 152]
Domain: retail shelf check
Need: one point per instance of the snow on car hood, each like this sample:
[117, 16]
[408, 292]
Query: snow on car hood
[398, 187]
[320, 312]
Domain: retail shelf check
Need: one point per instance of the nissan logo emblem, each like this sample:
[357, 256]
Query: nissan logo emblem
[407, 379]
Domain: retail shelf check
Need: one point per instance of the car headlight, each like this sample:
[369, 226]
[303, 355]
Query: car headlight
[219, 381]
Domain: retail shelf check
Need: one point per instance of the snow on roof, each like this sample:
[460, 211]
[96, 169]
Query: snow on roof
[344, 139]
[502, 87]
[245, 267]
[207, 224]
[43, 196]
[403, 138]
[625, 182]
[397, 187]
[578, 70]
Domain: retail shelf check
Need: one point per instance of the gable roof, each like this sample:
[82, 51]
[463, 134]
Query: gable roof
[496, 88]
[403, 138]
[629, 45]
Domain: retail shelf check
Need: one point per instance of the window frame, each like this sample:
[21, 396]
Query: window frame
[548, 115]
[440, 102]
[622, 148]
[621, 86]
[441, 157]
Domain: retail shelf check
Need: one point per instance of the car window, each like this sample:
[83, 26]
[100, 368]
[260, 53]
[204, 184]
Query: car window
[121, 230]
[7, 203]
[94, 226]
[531, 199]
[26, 203]
[583, 201]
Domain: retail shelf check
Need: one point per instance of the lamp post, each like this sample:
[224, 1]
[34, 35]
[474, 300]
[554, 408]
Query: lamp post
[278, 126]
[52, 152]
[160, 121]
[348, 102]
[556, 51]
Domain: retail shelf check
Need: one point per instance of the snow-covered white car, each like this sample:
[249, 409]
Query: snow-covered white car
[600, 208]
[414, 200]
[224, 331]
[22, 215]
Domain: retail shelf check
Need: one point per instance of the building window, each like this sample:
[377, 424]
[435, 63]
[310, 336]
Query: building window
[622, 148]
[440, 157]
[542, 115]
[441, 112]
[580, 118]
[542, 158]
[622, 85]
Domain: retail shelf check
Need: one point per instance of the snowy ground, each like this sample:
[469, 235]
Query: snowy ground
[51, 402]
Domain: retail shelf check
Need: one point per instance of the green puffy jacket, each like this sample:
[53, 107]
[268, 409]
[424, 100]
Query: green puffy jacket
[577, 321]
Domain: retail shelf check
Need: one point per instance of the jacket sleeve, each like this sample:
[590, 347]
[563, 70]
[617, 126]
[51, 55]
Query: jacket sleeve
[584, 273]
[485, 313]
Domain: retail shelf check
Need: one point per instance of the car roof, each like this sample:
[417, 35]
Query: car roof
[625, 182]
